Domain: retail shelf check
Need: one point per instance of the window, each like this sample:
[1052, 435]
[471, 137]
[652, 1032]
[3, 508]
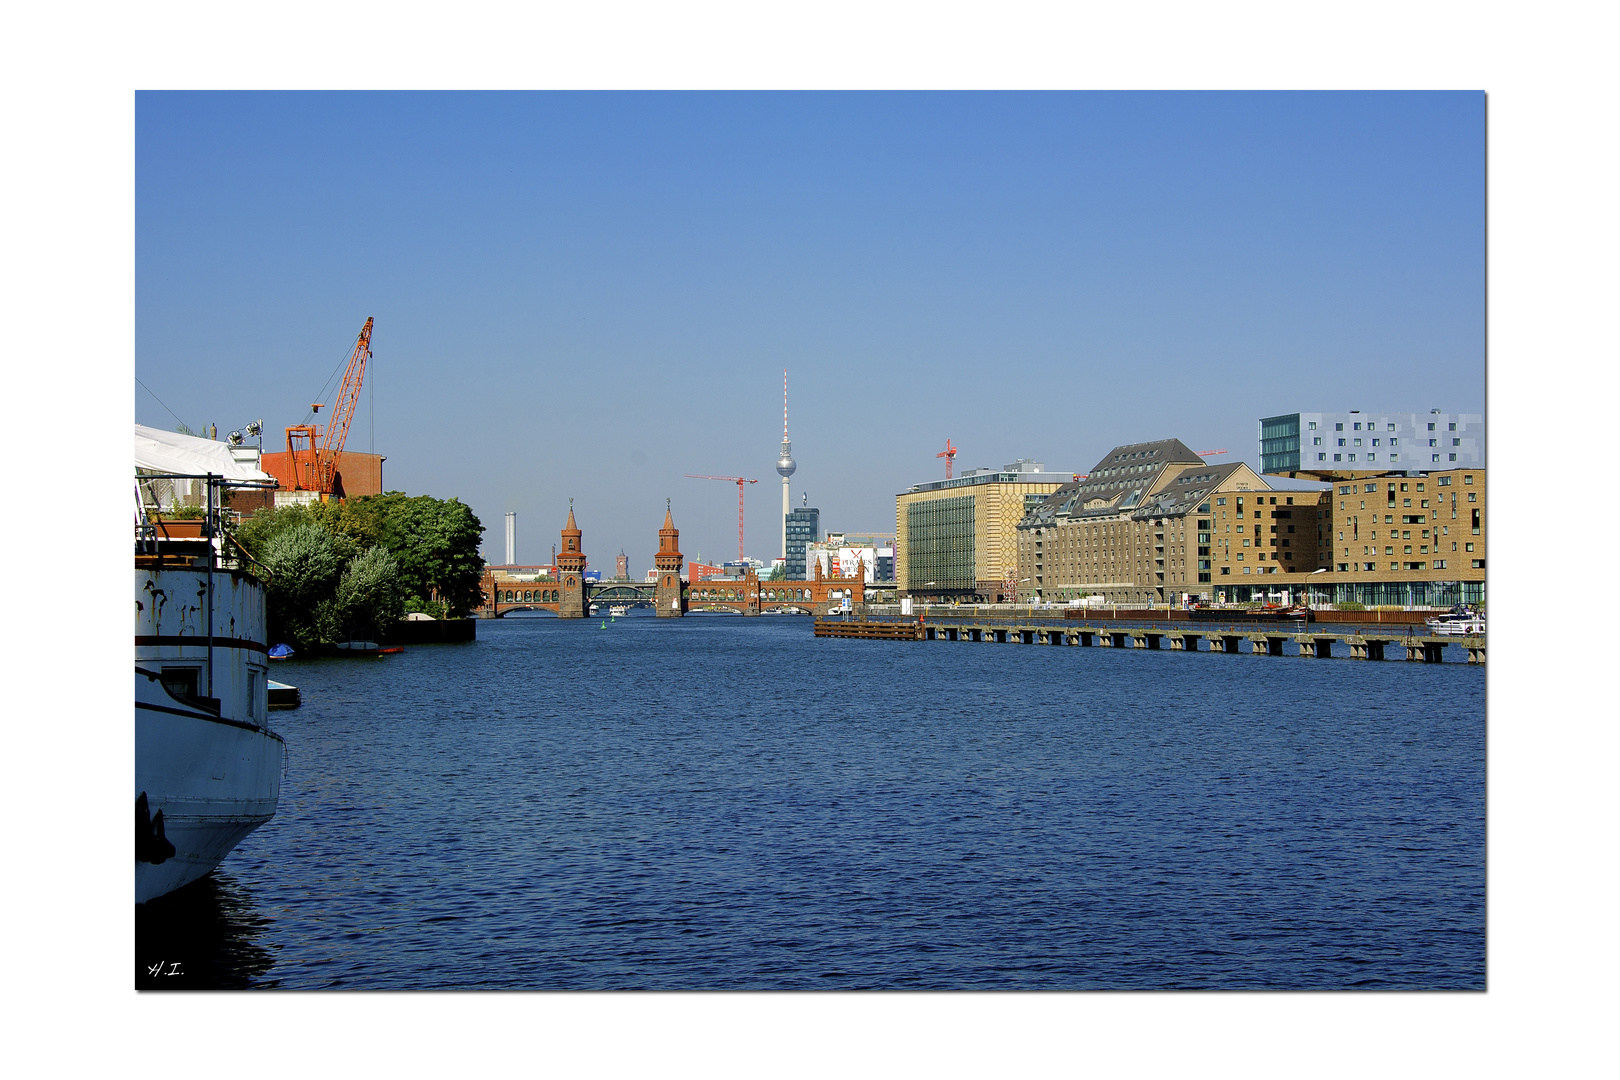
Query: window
[1468, 547]
[1434, 442]
[1445, 481]
[1434, 457]
[1439, 564]
[1338, 427]
[1479, 564]
[1321, 457]
[1375, 442]
[1371, 488]
[1372, 457]
[1431, 427]
[1317, 441]
[1220, 502]
[1451, 427]
[1468, 479]
[1392, 428]
[1313, 426]
[1403, 488]
[1226, 569]
[1356, 426]
[1394, 442]
[1336, 457]
[1245, 569]
[1394, 457]
[180, 682]
[1343, 567]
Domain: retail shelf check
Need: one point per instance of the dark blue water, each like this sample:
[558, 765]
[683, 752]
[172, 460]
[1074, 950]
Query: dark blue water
[729, 803]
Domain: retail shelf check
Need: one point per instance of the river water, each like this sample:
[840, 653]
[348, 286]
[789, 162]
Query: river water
[732, 804]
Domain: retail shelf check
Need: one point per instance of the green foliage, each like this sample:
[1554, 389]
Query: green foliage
[306, 564]
[778, 574]
[1349, 606]
[383, 555]
[367, 601]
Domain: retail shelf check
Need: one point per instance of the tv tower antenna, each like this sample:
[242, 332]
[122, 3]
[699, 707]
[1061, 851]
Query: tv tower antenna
[785, 465]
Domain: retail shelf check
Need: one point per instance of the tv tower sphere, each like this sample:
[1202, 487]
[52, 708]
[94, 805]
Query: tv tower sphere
[785, 464]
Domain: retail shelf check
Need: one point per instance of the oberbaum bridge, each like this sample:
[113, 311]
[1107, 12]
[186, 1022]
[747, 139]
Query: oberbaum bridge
[571, 596]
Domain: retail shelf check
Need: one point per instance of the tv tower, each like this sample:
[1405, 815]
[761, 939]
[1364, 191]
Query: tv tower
[785, 464]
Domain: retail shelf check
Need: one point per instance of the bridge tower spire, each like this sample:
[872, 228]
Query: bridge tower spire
[668, 600]
[571, 569]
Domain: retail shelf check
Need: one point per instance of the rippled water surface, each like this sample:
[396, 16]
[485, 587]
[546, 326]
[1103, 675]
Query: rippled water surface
[729, 803]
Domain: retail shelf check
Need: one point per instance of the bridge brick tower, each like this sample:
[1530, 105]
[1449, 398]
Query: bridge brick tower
[668, 603]
[571, 569]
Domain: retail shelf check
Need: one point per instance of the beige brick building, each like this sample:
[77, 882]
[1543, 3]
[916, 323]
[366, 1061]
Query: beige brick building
[958, 539]
[1403, 540]
[1154, 523]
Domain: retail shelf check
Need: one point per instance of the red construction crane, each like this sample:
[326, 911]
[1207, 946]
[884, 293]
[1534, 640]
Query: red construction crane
[1210, 453]
[739, 481]
[315, 466]
[949, 454]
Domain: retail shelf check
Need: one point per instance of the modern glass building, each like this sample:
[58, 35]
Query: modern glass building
[803, 527]
[1371, 442]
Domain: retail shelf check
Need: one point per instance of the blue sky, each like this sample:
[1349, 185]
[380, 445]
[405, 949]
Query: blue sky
[589, 295]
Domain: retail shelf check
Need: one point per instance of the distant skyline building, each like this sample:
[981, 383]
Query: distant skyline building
[785, 466]
[1342, 444]
[802, 528]
[511, 538]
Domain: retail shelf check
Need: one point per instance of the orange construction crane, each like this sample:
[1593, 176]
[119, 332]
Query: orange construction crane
[739, 481]
[949, 454]
[314, 467]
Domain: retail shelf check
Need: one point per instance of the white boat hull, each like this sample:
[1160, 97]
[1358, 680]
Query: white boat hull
[213, 781]
[207, 768]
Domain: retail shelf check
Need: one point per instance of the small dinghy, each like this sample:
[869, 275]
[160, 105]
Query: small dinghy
[280, 652]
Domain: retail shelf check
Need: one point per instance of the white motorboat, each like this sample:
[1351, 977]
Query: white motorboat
[207, 766]
[1461, 621]
[619, 609]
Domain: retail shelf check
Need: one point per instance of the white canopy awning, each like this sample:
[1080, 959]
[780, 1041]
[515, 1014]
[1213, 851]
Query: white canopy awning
[186, 455]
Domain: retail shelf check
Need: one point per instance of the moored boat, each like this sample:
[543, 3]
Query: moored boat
[1461, 621]
[207, 765]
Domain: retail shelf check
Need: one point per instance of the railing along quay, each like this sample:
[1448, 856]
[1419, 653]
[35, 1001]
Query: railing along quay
[1263, 640]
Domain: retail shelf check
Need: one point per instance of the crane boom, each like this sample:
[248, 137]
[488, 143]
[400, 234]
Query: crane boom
[739, 481]
[314, 459]
[337, 429]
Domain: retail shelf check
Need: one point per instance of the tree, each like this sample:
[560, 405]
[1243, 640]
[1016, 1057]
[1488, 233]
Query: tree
[432, 560]
[305, 563]
[367, 598]
[436, 544]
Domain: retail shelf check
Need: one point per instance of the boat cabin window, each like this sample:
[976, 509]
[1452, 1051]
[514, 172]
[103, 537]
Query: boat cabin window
[182, 682]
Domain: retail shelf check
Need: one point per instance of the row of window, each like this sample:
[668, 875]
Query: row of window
[1439, 564]
[1356, 426]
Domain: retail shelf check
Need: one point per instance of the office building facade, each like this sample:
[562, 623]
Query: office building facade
[957, 539]
[1404, 541]
[803, 527]
[1323, 445]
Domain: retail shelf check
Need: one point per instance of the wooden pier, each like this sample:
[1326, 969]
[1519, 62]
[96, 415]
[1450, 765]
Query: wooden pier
[1313, 644]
